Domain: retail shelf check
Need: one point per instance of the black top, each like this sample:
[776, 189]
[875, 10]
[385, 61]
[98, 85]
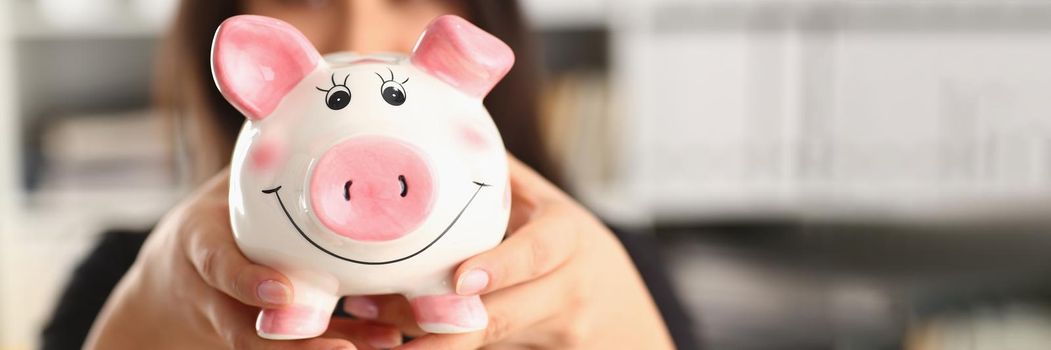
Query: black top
[97, 275]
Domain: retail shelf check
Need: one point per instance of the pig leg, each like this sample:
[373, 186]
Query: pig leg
[306, 317]
[449, 313]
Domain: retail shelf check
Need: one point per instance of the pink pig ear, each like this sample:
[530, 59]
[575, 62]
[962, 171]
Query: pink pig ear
[463, 55]
[257, 60]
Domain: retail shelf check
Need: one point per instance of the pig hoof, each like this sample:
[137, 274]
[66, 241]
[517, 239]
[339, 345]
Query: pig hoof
[292, 322]
[450, 313]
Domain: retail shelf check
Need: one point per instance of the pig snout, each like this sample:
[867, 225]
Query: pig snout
[372, 188]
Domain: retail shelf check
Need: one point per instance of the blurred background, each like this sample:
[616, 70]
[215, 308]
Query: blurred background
[818, 174]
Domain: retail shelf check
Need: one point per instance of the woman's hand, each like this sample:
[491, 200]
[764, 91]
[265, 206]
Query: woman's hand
[560, 280]
[191, 288]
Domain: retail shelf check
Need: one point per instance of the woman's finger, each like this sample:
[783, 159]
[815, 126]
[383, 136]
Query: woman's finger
[210, 248]
[207, 241]
[534, 250]
[392, 309]
[523, 204]
[510, 310]
[235, 324]
[365, 334]
[213, 253]
[526, 179]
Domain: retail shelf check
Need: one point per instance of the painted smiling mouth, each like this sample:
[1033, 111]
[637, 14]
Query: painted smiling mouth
[276, 192]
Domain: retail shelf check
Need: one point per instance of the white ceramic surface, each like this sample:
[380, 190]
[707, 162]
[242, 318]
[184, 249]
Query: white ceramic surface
[276, 159]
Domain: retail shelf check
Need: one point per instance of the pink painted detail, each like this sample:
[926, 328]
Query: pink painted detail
[463, 55]
[473, 138]
[466, 312]
[366, 169]
[294, 321]
[372, 60]
[257, 60]
[266, 155]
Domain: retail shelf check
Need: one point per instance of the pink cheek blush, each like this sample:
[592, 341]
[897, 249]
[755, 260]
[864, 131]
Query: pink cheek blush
[266, 155]
[473, 138]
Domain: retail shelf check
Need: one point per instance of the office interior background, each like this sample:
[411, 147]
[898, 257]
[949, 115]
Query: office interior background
[820, 174]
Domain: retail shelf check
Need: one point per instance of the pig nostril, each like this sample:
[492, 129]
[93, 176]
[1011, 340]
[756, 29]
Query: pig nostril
[346, 190]
[404, 186]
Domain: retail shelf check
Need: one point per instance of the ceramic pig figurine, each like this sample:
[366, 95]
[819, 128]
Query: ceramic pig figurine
[358, 175]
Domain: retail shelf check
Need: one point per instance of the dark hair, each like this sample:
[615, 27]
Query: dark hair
[206, 125]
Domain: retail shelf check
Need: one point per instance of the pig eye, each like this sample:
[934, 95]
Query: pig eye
[392, 91]
[338, 96]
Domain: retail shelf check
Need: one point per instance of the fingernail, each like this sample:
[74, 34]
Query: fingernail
[273, 292]
[361, 307]
[384, 341]
[472, 282]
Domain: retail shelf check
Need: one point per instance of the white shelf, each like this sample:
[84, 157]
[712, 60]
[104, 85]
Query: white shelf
[103, 207]
[10, 338]
[44, 234]
[557, 14]
[45, 239]
[105, 19]
[932, 114]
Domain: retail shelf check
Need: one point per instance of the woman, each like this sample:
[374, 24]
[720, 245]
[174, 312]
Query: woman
[559, 280]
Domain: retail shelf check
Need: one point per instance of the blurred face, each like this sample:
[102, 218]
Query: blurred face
[364, 26]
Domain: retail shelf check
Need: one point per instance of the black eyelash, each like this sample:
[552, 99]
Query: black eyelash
[334, 83]
[384, 80]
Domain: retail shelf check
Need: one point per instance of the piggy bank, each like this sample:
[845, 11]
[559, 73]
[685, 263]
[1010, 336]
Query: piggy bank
[365, 174]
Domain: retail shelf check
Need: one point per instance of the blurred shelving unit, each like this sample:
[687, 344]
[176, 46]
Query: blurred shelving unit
[550, 15]
[87, 20]
[85, 65]
[80, 150]
[833, 110]
[875, 156]
[8, 181]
